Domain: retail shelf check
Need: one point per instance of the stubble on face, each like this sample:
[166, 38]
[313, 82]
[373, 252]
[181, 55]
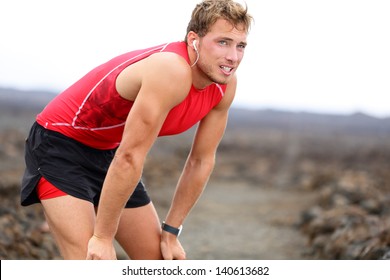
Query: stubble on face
[216, 63]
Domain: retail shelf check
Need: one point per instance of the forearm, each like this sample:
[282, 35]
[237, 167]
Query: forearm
[189, 188]
[121, 180]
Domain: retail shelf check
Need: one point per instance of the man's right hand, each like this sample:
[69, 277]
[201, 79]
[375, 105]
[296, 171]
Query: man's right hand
[100, 249]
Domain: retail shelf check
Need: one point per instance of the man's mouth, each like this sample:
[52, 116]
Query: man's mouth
[226, 69]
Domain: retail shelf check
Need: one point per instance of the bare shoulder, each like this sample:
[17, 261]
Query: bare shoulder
[161, 72]
[169, 63]
[168, 74]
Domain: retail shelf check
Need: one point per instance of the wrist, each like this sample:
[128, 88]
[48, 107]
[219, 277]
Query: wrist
[102, 238]
[171, 230]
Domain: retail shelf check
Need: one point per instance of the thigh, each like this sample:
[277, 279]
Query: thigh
[71, 221]
[139, 232]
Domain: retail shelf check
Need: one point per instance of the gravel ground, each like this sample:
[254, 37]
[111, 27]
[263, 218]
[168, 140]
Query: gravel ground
[239, 221]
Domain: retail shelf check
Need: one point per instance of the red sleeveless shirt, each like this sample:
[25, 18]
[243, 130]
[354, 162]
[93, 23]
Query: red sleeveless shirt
[92, 112]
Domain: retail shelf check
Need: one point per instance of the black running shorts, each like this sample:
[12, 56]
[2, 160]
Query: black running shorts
[72, 167]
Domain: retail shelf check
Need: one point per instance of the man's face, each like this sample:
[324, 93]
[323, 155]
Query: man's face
[221, 51]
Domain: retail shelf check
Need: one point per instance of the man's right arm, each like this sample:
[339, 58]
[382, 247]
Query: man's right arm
[157, 96]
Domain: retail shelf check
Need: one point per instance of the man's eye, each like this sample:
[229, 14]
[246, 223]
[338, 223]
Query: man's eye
[223, 43]
[241, 46]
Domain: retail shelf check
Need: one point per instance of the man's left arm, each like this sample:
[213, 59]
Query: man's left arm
[197, 170]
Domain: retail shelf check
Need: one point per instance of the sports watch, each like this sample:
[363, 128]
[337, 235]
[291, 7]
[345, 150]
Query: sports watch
[171, 229]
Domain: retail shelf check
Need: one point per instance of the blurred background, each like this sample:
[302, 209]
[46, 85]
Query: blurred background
[303, 170]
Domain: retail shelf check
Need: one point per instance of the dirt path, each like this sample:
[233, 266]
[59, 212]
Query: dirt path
[237, 221]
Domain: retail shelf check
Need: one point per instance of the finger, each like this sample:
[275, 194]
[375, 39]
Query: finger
[165, 252]
[167, 255]
[180, 257]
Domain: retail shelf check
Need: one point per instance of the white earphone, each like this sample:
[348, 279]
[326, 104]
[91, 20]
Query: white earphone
[194, 44]
[197, 53]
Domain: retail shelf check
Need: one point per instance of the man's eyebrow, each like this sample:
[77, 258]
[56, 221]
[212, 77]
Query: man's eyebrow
[231, 40]
[227, 39]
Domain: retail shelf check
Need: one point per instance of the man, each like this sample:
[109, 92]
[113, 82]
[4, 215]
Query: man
[87, 149]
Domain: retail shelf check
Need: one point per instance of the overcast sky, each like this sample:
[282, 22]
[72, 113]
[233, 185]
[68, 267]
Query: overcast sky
[324, 56]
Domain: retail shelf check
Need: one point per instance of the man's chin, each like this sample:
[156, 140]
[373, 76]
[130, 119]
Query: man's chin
[221, 80]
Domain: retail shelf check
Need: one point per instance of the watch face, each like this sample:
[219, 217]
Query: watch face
[180, 229]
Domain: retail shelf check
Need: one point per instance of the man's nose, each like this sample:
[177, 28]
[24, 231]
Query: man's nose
[232, 54]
